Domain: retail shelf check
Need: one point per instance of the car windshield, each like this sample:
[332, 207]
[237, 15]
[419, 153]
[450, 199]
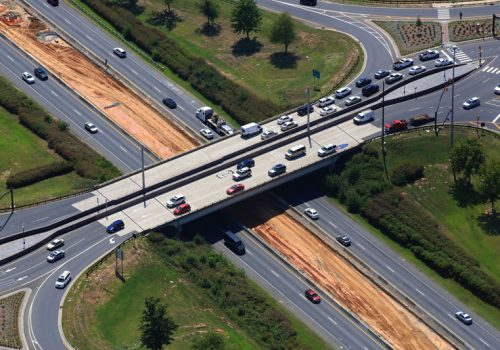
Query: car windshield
[60, 279]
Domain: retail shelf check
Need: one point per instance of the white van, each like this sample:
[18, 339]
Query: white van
[295, 152]
[63, 279]
[250, 129]
[363, 117]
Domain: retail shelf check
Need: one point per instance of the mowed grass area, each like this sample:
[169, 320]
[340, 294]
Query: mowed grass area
[101, 312]
[459, 221]
[21, 150]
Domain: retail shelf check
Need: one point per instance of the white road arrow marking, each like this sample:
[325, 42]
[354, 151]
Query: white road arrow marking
[111, 241]
[21, 278]
[9, 270]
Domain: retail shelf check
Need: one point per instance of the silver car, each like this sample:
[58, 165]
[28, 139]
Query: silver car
[27, 77]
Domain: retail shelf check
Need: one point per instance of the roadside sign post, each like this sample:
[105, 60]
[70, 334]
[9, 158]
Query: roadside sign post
[119, 256]
[316, 75]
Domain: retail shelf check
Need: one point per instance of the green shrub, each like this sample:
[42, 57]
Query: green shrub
[31, 176]
[406, 173]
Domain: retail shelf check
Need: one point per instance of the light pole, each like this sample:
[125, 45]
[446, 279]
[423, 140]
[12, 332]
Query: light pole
[404, 85]
[24, 241]
[453, 96]
[415, 94]
[480, 53]
[308, 113]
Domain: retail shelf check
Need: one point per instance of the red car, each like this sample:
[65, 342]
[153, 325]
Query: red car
[312, 296]
[396, 125]
[235, 189]
[182, 209]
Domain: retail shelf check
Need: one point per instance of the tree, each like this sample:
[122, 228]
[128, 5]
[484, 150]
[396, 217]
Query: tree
[209, 9]
[489, 184]
[246, 17]
[156, 326]
[168, 3]
[210, 341]
[283, 31]
[467, 157]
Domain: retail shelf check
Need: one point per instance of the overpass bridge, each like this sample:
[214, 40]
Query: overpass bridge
[204, 174]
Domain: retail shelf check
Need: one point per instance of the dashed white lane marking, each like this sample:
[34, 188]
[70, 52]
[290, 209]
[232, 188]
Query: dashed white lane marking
[362, 247]
[485, 343]
[124, 150]
[274, 273]
[331, 223]
[133, 71]
[41, 219]
[157, 89]
[10, 58]
[332, 320]
[67, 21]
[88, 37]
[53, 93]
[76, 112]
[420, 292]
[388, 268]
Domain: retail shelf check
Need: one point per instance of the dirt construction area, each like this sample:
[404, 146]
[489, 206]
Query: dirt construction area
[340, 279]
[112, 98]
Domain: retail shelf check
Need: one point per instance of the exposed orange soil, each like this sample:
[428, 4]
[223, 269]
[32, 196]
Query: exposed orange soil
[132, 114]
[340, 279]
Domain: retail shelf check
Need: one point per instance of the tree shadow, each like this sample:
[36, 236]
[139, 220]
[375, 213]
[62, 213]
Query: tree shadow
[246, 47]
[166, 18]
[490, 223]
[464, 194]
[283, 60]
[210, 30]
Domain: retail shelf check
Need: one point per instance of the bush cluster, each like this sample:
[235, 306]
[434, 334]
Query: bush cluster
[409, 225]
[230, 290]
[85, 160]
[237, 101]
[406, 173]
[31, 176]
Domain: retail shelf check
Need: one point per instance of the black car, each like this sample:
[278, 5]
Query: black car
[363, 81]
[246, 163]
[382, 73]
[302, 110]
[370, 89]
[41, 74]
[308, 2]
[344, 240]
[170, 103]
[277, 170]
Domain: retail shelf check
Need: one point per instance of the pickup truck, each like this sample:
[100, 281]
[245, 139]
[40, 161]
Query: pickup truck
[421, 119]
[396, 125]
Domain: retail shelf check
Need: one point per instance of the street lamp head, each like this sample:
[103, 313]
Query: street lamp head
[454, 47]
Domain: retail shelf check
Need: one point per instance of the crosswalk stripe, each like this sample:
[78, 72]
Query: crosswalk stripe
[493, 71]
[485, 68]
[490, 69]
[443, 13]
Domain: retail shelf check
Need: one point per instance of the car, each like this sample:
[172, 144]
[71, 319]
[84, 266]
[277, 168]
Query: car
[118, 51]
[27, 77]
[235, 189]
[428, 55]
[115, 226]
[56, 243]
[497, 89]
[242, 173]
[402, 63]
[363, 81]
[312, 296]
[312, 213]
[352, 100]
[416, 70]
[226, 129]
[326, 150]
[370, 89]
[169, 102]
[344, 240]
[289, 125]
[471, 103]
[276, 170]
[327, 110]
[394, 77]
[40, 73]
[442, 62]
[395, 126]
[55, 255]
[90, 127]
[364, 117]
[303, 110]
[63, 279]
[283, 119]
[463, 317]
[343, 92]
[308, 2]
[421, 119]
[246, 163]
[176, 200]
[207, 133]
[326, 101]
[382, 73]
[182, 209]
[267, 134]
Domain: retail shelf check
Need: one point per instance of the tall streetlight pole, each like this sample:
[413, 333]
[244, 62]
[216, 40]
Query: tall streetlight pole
[383, 129]
[453, 96]
[308, 106]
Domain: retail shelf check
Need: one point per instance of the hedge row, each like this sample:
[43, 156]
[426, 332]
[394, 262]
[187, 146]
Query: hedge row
[413, 228]
[31, 176]
[85, 160]
[237, 101]
[228, 287]
[406, 173]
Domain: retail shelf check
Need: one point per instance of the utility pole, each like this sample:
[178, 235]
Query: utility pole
[308, 115]
[383, 131]
[480, 53]
[143, 176]
[12, 199]
[453, 97]
[24, 239]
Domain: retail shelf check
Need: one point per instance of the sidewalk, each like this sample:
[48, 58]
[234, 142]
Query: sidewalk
[465, 3]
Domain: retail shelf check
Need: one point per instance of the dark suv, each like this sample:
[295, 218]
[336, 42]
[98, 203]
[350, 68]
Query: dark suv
[115, 226]
[41, 74]
[247, 163]
[302, 110]
[370, 89]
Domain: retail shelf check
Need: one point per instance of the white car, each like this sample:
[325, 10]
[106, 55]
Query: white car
[63, 279]
[343, 92]
[27, 77]
[394, 77]
[118, 51]
[267, 134]
[326, 150]
[402, 63]
[326, 101]
[364, 117]
[471, 103]
[242, 173]
[289, 125]
[442, 62]
[463, 317]
[207, 133]
[352, 100]
[90, 127]
[283, 119]
[312, 213]
[327, 110]
[56, 243]
[416, 69]
[497, 89]
[176, 200]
